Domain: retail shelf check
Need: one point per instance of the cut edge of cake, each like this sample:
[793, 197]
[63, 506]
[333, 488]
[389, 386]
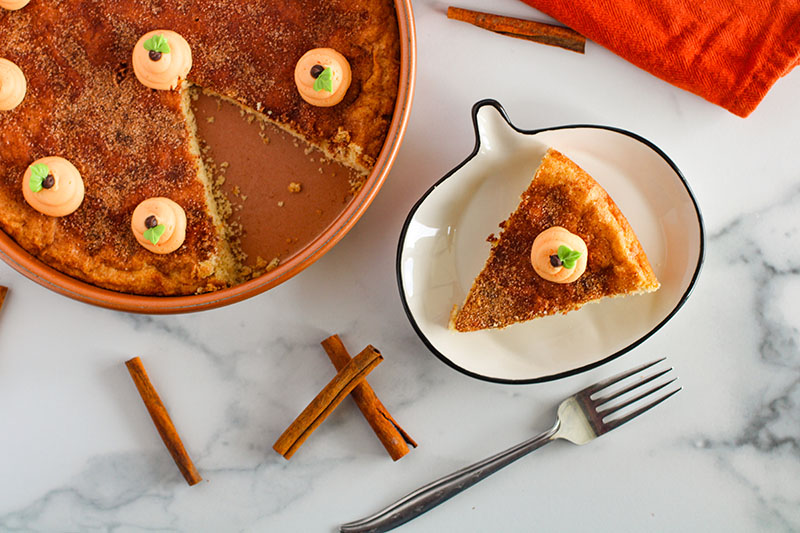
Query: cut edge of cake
[351, 155]
[226, 264]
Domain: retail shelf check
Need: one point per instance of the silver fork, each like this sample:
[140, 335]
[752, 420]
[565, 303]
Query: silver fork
[581, 418]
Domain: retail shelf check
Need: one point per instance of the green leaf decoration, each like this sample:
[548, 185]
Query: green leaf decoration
[39, 172]
[324, 81]
[568, 256]
[157, 43]
[154, 234]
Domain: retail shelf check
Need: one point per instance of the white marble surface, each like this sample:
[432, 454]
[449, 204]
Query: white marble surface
[79, 453]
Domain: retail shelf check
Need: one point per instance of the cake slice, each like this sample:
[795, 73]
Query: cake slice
[508, 290]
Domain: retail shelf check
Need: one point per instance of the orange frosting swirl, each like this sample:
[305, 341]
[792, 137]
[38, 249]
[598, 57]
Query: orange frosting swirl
[13, 85]
[66, 193]
[546, 244]
[172, 67]
[13, 5]
[166, 212]
[340, 76]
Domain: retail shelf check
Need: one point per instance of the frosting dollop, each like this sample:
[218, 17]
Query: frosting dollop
[167, 71]
[13, 85]
[56, 197]
[13, 5]
[155, 212]
[312, 66]
[546, 244]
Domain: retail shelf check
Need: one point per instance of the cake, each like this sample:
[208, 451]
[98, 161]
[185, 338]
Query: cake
[132, 143]
[564, 199]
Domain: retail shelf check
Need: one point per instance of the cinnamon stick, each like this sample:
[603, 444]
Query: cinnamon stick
[326, 401]
[392, 436]
[522, 29]
[162, 421]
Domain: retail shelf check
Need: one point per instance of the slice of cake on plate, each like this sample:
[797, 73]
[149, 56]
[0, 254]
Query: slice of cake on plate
[567, 244]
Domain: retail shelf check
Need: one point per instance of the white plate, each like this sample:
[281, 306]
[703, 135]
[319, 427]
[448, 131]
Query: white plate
[443, 247]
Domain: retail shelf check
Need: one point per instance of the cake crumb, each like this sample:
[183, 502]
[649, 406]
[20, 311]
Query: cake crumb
[342, 136]
[258, 106]
[236, 190]
[294, 187]
[320, 170]
[273, 264]
[356, 181]
[224, 165]
[244, 197]
[280, 203]
[210, 119]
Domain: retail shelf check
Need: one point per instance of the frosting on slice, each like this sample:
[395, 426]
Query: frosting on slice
[545, 248]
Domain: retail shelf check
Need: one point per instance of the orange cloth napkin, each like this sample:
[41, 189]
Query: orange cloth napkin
[730, 52]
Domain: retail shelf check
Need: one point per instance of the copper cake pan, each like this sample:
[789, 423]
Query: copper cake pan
[312, 247]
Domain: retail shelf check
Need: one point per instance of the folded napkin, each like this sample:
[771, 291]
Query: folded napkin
[730, 52]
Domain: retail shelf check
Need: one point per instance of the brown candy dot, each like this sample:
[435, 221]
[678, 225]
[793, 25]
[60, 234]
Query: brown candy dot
[151, 222]
[555, 260]
[154, 55]
[48, 182]
[316, 70]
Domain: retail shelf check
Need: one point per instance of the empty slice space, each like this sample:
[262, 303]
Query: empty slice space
[276, 192]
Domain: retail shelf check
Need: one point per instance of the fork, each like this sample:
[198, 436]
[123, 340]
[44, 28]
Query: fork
[581, 418]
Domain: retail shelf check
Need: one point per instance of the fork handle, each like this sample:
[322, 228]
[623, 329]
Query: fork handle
[429, 496]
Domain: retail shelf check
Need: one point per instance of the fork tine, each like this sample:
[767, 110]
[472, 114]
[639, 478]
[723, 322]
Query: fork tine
[600, 385]
[611, 424]
[605, 412]
[605, 399]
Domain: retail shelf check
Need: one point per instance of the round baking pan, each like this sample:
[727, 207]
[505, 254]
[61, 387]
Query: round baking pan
[48, 277]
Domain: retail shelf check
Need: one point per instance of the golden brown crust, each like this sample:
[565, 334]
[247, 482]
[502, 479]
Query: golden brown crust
[508, 290]
[247, 51]
[131, 143]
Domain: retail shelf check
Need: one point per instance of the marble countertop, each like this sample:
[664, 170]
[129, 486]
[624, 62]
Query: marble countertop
[78, 451]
